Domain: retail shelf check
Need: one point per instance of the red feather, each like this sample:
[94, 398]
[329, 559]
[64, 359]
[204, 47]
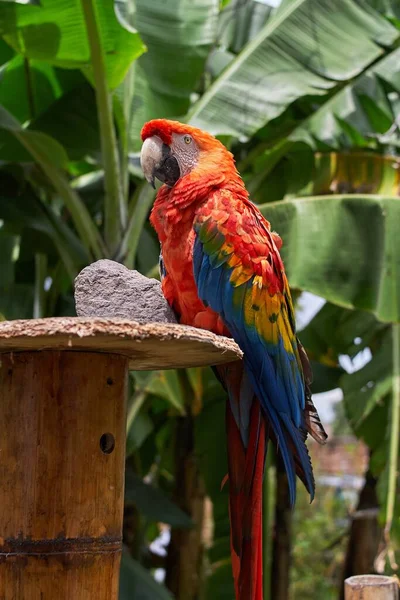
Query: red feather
[158, 127]
[246, 471]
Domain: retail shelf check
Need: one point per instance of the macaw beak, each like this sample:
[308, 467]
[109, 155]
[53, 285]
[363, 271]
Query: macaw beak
[157, 160]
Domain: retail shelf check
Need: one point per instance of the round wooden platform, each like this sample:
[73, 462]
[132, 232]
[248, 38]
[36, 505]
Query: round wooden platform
[148, 347]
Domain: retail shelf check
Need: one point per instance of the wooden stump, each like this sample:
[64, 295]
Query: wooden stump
[62, 452]
[371, 587]
[62, 446]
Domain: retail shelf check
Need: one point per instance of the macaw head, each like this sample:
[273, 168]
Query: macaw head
[173, 150]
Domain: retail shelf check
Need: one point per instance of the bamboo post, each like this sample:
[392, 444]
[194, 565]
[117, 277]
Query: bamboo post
[62, 446]
[371, 587]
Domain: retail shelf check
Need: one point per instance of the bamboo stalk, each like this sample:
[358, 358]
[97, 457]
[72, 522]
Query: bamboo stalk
[62, 417]
[371, 587]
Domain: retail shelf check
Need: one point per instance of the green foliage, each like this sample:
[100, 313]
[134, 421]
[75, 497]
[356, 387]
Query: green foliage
[319, 530]
[152, 503]
[55, 32]
[178, 36]
[286, 62]
[136, 583]
[328, 241]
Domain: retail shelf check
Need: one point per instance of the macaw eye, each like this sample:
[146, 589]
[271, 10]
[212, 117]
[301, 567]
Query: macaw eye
[187, 139]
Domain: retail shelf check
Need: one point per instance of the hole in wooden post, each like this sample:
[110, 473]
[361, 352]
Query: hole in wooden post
[110, 381]
[107, 443]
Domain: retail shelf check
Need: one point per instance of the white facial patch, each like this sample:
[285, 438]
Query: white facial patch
[186, 152]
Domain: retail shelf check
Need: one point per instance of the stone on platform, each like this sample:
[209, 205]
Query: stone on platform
[108, 289]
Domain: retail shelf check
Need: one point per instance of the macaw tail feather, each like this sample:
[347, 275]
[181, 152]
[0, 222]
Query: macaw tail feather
[248, 432]
[246, 459]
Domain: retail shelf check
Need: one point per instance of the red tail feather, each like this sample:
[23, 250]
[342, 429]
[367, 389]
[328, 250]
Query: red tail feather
[246, 470]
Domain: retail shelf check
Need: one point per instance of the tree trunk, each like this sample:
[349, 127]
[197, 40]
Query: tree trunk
[185, 551]
[365, 534]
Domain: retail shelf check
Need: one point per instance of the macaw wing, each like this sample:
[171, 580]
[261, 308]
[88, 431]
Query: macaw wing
[240, 275]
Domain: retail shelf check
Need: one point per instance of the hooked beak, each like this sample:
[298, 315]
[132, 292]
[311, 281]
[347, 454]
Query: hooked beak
[158, 161]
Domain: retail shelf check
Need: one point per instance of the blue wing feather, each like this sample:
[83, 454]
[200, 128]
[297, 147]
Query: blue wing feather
[274, 373]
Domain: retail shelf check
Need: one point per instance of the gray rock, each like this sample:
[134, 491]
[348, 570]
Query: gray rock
[108, 289]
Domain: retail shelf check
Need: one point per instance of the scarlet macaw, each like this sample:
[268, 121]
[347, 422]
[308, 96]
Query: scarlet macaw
[222, 271]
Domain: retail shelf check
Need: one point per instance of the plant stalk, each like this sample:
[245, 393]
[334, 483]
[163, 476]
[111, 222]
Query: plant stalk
[39, 298]
[282, 543]
[115, 212]
[268, 521]
[137, 402]
[138, 211]
[29, 88]
[394, 434]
